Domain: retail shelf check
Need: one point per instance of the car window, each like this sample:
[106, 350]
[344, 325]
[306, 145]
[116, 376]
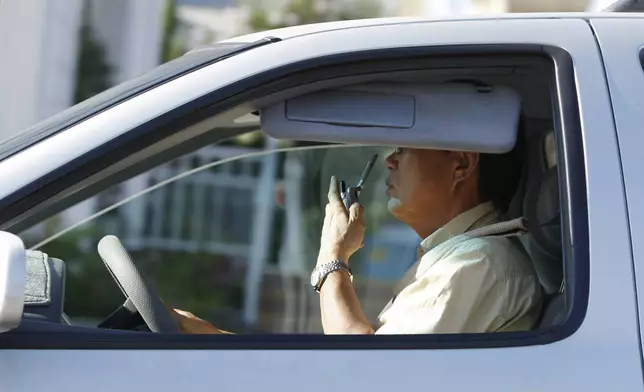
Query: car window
[198, 228]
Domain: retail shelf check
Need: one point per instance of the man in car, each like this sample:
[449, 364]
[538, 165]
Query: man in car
[473, 285]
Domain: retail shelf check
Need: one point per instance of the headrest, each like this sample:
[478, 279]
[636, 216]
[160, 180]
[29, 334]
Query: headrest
[542, 211]
[541, 208]
[549, 150]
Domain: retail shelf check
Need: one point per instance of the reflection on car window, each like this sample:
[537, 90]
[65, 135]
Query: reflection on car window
[200, 239]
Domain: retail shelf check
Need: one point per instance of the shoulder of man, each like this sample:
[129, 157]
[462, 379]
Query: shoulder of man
[506, 255]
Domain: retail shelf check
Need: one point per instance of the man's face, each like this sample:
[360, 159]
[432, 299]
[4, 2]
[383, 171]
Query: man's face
[421, 182]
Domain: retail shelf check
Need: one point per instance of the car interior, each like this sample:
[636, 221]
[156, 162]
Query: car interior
[537, 199]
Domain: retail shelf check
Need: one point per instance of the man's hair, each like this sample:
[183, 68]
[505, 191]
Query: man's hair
[499, 174]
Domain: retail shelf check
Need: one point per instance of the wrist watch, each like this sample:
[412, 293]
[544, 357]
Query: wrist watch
[319, 274]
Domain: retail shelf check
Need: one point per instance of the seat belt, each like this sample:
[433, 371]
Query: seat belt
[511, 228]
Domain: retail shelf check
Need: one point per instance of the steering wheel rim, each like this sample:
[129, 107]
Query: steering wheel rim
[134, 286]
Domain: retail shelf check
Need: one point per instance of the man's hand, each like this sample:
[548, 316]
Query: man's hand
[342, 236]
[343, 231]
[189, 323]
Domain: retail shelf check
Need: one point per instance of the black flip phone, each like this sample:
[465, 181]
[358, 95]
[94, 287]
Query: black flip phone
[350, 195]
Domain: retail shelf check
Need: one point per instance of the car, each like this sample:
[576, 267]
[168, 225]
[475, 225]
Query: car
[327, 96]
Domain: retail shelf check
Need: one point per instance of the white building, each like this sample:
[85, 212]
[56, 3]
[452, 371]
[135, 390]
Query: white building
[131, 31]
[38, 39]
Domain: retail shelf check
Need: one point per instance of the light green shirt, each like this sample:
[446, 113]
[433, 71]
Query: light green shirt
[471, 285]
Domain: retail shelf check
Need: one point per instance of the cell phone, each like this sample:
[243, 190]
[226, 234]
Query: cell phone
[351, 194]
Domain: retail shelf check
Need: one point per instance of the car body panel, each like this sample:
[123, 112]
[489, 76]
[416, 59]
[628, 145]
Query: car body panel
[603, 354]
[624, 61]
[296, 31]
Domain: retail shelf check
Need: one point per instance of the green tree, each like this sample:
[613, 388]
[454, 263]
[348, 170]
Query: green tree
[170, 47]
[93, 71]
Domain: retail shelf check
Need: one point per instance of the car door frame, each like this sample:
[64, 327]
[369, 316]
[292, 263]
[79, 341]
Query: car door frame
[389, 356]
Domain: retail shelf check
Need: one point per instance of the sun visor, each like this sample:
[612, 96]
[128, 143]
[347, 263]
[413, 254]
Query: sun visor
[451, 116]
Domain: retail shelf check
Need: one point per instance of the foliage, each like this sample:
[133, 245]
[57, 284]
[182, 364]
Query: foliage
[170, 46]
[93, 71]
[201, 282]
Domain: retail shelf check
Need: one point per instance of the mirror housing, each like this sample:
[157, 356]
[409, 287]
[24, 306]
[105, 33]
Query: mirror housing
[447, 116]
[13, 273]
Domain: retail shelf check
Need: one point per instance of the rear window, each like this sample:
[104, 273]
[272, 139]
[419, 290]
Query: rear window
[163, 73]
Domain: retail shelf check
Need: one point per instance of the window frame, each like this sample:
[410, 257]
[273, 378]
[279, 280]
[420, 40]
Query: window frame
[572, 177]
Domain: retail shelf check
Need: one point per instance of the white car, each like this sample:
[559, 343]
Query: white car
[347, 88]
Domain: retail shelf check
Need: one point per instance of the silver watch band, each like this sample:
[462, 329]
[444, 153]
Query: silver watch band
[321, 272]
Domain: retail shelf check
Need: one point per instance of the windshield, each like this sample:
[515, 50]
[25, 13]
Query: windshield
[187, 63]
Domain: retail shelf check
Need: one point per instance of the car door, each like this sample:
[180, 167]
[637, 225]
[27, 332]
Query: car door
[623, 57]
[595, 349]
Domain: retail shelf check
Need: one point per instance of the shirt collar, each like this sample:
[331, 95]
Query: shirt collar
[479, 216]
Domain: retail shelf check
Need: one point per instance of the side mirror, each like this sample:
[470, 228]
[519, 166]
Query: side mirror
[13, 273]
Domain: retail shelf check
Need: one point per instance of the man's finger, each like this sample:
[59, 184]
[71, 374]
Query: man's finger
[334, 192]
[169, 309]
[356, 211]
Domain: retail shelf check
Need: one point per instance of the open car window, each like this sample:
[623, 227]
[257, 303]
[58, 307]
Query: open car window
[197, 222]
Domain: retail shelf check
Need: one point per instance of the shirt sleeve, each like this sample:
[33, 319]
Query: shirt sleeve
[460, 293]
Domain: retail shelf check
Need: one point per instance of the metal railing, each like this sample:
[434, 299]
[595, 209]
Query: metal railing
[208, 211]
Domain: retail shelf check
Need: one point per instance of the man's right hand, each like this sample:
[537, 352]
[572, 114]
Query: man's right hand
[189, 323]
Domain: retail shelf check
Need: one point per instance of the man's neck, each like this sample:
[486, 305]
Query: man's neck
[426, 224]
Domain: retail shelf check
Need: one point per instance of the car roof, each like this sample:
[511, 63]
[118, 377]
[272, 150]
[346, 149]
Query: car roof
[207, 54]
[314, 28]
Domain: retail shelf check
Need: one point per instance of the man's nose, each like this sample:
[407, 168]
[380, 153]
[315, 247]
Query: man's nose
[391, 162]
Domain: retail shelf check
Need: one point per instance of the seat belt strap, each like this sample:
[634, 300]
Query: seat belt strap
[511, 228]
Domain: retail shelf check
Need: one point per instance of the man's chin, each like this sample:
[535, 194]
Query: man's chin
[393, 205]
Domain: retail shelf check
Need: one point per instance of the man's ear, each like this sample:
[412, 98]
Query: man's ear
[466, 164]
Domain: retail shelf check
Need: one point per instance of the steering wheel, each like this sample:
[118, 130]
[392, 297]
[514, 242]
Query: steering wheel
[139, 293]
